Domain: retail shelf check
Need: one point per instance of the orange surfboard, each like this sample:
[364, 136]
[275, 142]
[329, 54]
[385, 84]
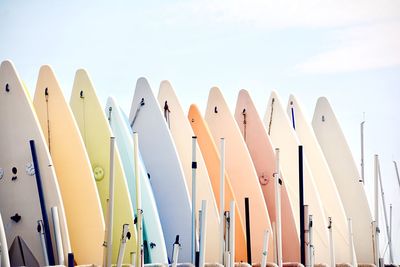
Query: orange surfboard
[210, 154]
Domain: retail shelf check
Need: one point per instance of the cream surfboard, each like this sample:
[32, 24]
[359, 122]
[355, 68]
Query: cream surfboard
[182, 133]
[19, 199]
[283, 137]
[344, 171]
[211, 157]
[241, 171]
[263, 156]
[165, 170]
[74, 173]
[154, 243]
[326, 186]
[96, 134]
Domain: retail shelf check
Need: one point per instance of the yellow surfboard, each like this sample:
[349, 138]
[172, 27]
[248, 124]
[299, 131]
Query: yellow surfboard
[74, 173]
[96, 134]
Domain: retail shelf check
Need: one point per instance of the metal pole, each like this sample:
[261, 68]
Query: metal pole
[397, 172]
[46, 225]
[110, 203]
[306, 237]
[385, 214]
[125, 235]
[278, 210]
[232, 233]
[203, 231]
[40, 229]
[376, 205]
[57, 233]
[362, 151]
[248, 233]
[5, 260]
[301, 207]
[222, 199]
[139, 248]
[194, 210]
[331, 246]
[265, 249]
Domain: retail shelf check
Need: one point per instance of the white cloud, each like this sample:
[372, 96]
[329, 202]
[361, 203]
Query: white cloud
[359, 48]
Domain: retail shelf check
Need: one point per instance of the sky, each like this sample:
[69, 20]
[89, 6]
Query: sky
[346, 50]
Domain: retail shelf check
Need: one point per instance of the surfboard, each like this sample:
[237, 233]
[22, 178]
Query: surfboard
[154, 243]
[241, 171]
[96, 134]
[283, 137]
[344, 171]
[326, 186]
[263, 156]
[74, 173]
[211, 157]
[182, 133]
[19, 199]
[164, 168]
[5, 261]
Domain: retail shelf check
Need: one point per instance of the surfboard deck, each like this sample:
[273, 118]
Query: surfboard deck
[212, 161]
[74, 173]
[326, 186]
[241, 171]
[182, 133]
[154, 243]
[263, 156]
[165, 170]
[18, 189]
[344, 171]
[96, 134]
[283, 136]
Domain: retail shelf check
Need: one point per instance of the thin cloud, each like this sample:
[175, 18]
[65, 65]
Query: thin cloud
[359, 48]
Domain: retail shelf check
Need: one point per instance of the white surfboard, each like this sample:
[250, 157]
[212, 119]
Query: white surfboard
[154, 243]
[165, 170]
[241, 171]
[326, 186]
[18, 189]
[5, 261]
[283, 137]
[72, 165]
[182, 133]
[343, 168]
[263, 157]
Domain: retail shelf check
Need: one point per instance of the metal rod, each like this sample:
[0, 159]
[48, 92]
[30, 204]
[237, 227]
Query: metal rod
[203, 233]
[278, 210]
[331, 245]
[232, 234]
[124, 236]
[306, 237]
[139, 223]
[58, 237]
[351, 242]
[311, 240]
[175, 252]
[46, 225]
[5, 260]
[376, 205]
[222, 200]
[194, 167]
[265, 249]
[385, 213]
[301, 207]
[362, 151]
[40, 229]
[110, 204]
[248, 235]
[397, 172]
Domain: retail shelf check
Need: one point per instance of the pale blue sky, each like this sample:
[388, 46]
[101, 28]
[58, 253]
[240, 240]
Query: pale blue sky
[347, 50]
